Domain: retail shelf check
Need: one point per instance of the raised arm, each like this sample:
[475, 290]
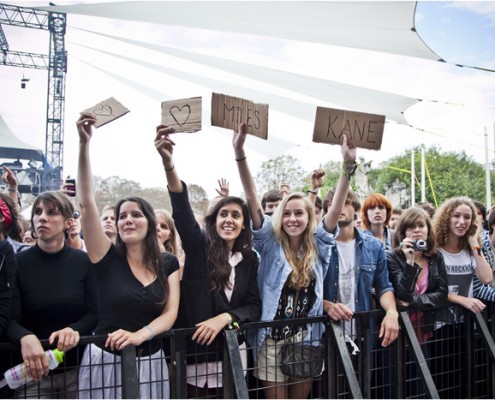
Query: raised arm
[164, 146]
[248, 185]
[11, 180]
[97, 243]
[349, 158]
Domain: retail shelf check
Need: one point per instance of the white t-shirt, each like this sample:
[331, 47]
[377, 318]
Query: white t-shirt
[460, 267]
[347, 278]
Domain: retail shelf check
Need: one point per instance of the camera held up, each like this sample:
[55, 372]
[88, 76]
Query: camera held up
[420, 245]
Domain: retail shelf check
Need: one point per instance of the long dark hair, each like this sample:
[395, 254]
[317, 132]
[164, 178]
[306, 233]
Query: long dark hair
[152, 257]
[217, 252]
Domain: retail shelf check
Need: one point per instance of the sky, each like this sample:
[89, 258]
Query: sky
[458, 106]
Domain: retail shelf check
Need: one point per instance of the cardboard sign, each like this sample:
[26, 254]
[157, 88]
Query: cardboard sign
[362, 130]
[183, 115]
[228, 112]
[106, 111]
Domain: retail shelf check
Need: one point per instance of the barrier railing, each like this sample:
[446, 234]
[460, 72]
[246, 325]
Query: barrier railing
[426, 361]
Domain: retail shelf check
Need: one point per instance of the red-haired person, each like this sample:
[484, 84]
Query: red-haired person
[375, 213]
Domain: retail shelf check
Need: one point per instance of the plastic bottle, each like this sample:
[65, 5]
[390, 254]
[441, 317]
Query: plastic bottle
[18, 376]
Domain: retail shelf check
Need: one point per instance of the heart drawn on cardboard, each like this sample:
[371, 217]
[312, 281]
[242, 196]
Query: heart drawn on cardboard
[103, 111]
[180, 115]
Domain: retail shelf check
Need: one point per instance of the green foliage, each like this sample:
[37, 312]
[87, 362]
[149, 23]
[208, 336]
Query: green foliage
[283, 169]
[451, 173]
[198, 198]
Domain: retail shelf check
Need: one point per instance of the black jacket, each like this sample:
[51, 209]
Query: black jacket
[404, 278]
[198, 302]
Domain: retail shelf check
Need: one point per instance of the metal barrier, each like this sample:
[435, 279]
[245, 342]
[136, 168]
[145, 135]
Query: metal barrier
[417, 365]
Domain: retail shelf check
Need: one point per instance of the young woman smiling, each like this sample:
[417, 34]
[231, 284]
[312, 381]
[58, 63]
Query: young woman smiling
[457, 234]
[138, 287]
[295, 255]
[218, 285]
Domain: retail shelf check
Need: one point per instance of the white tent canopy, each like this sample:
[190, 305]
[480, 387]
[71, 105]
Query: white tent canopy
[346, 96]
[384, 26]
[12, 148]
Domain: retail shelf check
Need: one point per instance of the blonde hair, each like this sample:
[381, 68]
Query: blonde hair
[441, 222]
[172, 244]
[302, 267]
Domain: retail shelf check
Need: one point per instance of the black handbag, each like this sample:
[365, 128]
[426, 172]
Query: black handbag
[299, 360]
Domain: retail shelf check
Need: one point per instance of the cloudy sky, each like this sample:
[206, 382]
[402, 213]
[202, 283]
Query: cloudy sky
[458, 103]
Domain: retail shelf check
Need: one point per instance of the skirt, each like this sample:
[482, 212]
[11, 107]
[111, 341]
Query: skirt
[100, 375]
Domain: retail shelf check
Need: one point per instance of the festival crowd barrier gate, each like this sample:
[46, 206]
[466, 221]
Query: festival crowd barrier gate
[426, 361]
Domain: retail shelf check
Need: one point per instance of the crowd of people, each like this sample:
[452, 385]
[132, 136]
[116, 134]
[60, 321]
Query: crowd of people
[131, 273]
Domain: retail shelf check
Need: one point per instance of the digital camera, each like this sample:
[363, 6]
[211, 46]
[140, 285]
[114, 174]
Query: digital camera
[420, 245]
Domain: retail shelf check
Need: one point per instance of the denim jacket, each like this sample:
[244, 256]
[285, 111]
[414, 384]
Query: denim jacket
[370, 272]
[274, 271]
[388, 237]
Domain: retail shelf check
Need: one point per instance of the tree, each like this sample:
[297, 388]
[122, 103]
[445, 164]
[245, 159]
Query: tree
[109, 190]
[452, 174]
[198, 198]
[283, 169]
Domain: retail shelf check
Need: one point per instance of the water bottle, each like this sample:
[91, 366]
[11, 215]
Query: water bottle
[18, 376]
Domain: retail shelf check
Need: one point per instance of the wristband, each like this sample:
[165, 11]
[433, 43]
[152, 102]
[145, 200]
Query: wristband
[477, 249]
[312, 191]
[240, 159]
[392, 313]
[151, 331]
[170, 169]
[229, 320]
[350, 170]
[12, 190]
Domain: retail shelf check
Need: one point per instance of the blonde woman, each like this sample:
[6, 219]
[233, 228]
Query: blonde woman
[294, 256]
[169, 237]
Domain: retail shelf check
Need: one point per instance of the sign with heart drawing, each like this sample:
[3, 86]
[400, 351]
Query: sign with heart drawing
[184, 115]
[106, 111]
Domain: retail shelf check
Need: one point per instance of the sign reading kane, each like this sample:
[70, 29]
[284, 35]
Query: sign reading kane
[184, 115]
[228, 112]
[362, 130]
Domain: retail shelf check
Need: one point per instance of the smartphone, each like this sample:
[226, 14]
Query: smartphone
[70, 184]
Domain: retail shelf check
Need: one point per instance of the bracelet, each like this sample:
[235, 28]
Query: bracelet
[240, 159]
[170, 169]
[312, 191]
[477, 249]
[151, 331]
[12, 190]
[229, 320]
[392, 313]
[349, 172]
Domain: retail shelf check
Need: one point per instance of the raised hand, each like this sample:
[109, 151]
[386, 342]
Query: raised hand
[317, 179]
[348, 151]
[163, 143]
[239, 137]
[85, 127]
[223, 185]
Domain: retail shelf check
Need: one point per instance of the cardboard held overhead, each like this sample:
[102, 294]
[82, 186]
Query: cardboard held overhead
[228, 112]
[184, 115]
[362, 129]
[106, 111]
